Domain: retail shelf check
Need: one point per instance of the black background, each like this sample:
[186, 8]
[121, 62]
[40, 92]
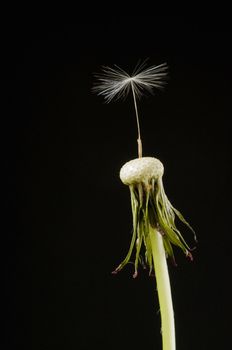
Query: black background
[68, 220]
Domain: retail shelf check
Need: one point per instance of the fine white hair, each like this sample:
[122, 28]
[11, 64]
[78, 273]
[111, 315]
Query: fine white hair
[115, 83]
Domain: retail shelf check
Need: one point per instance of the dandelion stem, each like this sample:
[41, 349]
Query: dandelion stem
[164, 290]
[140, 148]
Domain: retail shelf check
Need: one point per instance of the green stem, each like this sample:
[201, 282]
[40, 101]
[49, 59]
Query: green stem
[164, 290]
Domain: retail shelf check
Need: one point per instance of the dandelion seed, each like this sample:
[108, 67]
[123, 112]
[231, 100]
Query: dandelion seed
[115, 83]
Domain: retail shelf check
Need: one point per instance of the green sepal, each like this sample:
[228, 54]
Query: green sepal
[152, 209]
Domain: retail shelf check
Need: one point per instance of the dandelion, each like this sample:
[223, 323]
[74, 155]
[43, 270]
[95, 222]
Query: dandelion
[153, 215]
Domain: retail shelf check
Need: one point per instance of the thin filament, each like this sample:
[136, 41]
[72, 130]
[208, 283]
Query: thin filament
[137, 120]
